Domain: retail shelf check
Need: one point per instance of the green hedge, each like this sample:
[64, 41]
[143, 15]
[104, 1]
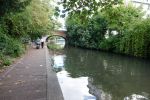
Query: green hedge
[9, 48]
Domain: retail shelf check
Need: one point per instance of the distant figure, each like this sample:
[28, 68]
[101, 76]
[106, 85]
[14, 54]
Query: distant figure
[42, 42]
[37, 42]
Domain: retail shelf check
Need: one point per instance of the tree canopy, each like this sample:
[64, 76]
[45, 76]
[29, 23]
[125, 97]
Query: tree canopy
[86, 7]
[20, 21]
[7, 6]
[34, 19]
[132, 30]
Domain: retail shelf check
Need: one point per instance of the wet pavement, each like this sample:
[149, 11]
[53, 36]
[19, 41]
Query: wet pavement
[30, 78]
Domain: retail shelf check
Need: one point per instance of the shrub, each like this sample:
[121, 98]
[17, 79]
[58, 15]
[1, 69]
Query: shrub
[14, 48]
[4, 61]
[136, 42]
[9, 47]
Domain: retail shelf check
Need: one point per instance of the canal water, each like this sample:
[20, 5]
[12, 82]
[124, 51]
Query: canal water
[94, 75]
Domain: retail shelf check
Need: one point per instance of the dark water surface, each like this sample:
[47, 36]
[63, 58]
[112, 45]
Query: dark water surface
[94, 75]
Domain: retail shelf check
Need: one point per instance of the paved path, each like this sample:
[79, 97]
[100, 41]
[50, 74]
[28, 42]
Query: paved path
[31, 78]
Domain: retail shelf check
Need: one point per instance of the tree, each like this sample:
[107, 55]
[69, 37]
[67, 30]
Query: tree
[19, 21]
[39, 13]
[136, 41]
[7, 6]
[120, 18]
[34, 20]
[86, 7]
[88, 34]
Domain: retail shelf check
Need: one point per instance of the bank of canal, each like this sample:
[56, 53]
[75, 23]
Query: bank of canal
[94, 75]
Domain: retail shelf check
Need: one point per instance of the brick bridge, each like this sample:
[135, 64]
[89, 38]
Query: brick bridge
[60, 33]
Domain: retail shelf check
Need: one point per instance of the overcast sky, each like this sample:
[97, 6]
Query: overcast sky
[60, 19]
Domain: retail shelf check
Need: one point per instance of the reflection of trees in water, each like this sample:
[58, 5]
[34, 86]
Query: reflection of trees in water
[97, 91]
[116, 75]
[55, 53]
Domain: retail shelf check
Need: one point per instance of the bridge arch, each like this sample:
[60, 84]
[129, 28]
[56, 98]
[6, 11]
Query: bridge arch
[59, 33]
[50, 36]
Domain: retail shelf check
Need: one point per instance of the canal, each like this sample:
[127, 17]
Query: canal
[94, 75]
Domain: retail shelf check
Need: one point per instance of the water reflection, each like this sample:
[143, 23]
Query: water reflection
[58, 62]
[107, 76]
[136, 97]
[74, 88]
[57, 40]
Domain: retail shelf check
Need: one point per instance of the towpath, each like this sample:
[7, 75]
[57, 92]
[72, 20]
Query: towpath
[30, 78]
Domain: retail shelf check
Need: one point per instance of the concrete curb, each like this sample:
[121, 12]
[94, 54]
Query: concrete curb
[53, 88]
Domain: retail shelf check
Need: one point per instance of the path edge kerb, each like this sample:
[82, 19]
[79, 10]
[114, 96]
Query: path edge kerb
[49, 86]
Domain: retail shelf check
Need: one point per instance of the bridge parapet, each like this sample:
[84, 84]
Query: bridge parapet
[61, 33]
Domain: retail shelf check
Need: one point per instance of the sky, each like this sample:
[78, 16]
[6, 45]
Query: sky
[59, 19]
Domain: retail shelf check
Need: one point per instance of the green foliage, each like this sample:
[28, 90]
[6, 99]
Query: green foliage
[39, 12]
[133, 31]
[109, 44]
[14, 48]
[4, 60]
[10, 46]
[136, 41]
[86, 35]
[34, 20]
[86, 7]
[120, 18]
[21, 21]
[7, 6]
